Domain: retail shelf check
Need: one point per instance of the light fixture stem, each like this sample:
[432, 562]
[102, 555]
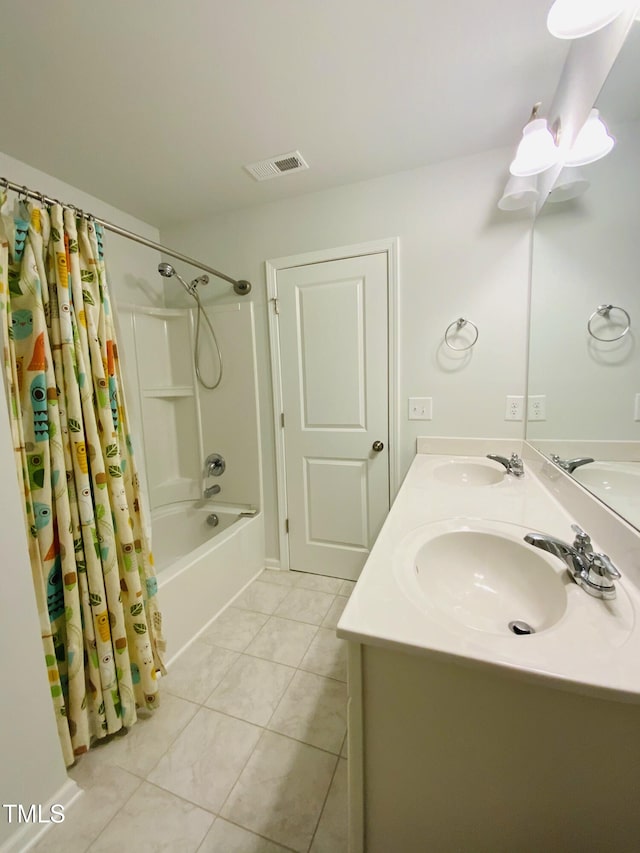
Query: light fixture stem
[535, 110]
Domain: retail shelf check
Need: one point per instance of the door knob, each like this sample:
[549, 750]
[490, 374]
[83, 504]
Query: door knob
[377, 446]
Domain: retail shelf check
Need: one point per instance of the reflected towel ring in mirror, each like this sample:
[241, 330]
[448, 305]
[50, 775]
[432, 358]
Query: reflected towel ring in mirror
[457, 325]
[605, 311]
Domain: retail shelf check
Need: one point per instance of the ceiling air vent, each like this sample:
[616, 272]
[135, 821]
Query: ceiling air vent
[283, 164]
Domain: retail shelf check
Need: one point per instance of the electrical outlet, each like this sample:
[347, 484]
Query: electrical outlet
[515, 409]
[537, 410]
[636, 415]
[420, 408]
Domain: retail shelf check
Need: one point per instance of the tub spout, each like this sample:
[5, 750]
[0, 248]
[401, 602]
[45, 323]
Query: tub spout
[211, 490]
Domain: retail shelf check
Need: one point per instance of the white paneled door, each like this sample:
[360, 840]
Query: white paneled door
[333, 328]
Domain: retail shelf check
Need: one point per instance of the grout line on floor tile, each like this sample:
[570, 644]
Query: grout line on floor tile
[297, 666]
[175, 735]
[271, 732]
[115, 814]
[324, 803]
[253, 832]
[232, 788]
[184, 799]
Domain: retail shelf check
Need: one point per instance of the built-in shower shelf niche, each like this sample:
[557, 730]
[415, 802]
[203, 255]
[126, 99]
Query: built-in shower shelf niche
[169, 403]
[163, 338]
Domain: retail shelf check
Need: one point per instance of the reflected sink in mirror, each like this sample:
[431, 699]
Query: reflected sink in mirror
[465, 473]
[616, 483]
[618, 478]
[486, 578]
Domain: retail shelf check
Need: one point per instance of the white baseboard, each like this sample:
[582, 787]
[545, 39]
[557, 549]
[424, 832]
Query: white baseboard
[30, 834]
[270, 563]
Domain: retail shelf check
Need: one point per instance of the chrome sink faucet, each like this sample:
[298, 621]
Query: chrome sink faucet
[514, 465]
[595, 573]
[570, 465]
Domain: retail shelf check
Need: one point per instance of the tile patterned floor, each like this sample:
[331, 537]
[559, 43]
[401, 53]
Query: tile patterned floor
[246, 753]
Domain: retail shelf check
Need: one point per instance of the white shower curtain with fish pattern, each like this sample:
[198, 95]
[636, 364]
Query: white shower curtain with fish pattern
[91, 561]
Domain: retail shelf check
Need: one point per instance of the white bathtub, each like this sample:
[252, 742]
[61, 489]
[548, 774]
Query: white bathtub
[201, 568]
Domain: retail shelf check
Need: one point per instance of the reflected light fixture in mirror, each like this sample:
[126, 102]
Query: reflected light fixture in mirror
[571, 183]
[537, 150]
[519, 193]
[592, 143]
[572, 19]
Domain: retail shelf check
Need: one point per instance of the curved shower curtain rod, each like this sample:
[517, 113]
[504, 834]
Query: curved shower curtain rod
[241, 286]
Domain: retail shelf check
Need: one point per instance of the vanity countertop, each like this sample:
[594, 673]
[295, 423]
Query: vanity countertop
[594, 647]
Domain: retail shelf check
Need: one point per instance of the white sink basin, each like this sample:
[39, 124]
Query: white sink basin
[482, 575]
[488, 579]
[469, 473]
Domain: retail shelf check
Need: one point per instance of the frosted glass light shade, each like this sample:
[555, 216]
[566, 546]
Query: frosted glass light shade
[592, 143]
[572, 19]
[570, 184]
[519, 193]
[537, 151]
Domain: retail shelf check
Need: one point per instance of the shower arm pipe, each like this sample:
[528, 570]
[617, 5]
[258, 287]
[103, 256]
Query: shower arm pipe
[241, 286]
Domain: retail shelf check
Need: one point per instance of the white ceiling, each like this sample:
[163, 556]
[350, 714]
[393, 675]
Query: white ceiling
[156, 105]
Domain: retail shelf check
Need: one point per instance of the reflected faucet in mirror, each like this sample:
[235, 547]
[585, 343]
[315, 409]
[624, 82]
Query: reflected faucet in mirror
[570, 465]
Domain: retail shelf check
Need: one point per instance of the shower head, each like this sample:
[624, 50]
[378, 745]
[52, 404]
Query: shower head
[166, 270]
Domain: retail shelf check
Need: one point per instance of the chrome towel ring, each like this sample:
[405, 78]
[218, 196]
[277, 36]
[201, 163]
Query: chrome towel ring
[457, 325]
[605, 311]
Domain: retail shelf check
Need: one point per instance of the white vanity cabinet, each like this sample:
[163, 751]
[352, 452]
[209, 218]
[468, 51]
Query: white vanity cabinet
[463, 736]
[454, 758]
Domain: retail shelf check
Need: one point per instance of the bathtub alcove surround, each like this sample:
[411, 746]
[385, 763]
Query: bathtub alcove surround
[500, 741]
[200, 567]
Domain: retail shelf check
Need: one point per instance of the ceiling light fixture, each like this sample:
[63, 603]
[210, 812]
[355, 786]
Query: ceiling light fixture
[572, 19]
[519, 193]
[592, 143]
[570, 184]
[537, 151]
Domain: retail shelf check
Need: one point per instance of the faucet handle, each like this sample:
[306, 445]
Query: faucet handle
[516, 466]
[214, 465]
[605, 567]
[582, 542]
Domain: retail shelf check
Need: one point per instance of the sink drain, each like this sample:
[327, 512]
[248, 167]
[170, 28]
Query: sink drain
[519, 627]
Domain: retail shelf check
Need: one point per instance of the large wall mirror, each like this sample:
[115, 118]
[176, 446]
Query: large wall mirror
[584, 361]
